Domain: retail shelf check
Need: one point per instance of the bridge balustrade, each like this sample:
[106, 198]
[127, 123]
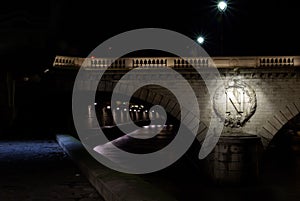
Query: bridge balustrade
[176, 62]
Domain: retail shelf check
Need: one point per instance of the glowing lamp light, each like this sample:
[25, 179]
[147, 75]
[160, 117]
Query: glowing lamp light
[200, 40]
[222, 5]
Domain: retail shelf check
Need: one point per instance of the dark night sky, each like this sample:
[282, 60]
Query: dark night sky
[47, 28]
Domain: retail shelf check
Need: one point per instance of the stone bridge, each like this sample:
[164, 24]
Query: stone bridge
[255, 96]
[261, 93]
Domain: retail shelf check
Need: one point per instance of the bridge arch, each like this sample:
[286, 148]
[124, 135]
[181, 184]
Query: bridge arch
[153, 96]
[278, 120]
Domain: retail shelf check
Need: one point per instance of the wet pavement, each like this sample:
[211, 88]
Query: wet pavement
[40, 171]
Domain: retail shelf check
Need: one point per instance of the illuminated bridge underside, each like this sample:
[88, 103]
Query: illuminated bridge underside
[275, 82]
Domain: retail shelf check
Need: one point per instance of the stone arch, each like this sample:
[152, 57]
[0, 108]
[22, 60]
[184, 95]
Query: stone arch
[156, 98]
[280, 118]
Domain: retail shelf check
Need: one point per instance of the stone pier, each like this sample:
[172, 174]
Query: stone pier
[235, 160]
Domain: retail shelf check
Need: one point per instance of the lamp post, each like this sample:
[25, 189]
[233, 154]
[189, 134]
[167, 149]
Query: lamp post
[222, 6]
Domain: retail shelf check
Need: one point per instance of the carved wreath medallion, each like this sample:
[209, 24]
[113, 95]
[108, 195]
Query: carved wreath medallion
[234, 103]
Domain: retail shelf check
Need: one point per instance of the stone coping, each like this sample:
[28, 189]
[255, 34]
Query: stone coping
[112, 185]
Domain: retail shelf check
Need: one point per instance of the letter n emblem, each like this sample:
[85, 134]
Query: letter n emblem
[234, 100]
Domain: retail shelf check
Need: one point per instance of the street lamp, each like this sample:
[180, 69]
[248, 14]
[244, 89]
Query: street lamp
[200, 40]
[222, 6]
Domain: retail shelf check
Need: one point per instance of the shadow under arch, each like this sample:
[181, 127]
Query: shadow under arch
[149, 96]
[153, 95]
[281, 158]
[278, 121]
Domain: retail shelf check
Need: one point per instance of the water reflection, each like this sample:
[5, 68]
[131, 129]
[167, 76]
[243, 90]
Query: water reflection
[147, 139]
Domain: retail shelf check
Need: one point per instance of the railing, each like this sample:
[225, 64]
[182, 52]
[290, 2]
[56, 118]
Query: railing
[177, 62]
[277, 61]
[62, 61]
